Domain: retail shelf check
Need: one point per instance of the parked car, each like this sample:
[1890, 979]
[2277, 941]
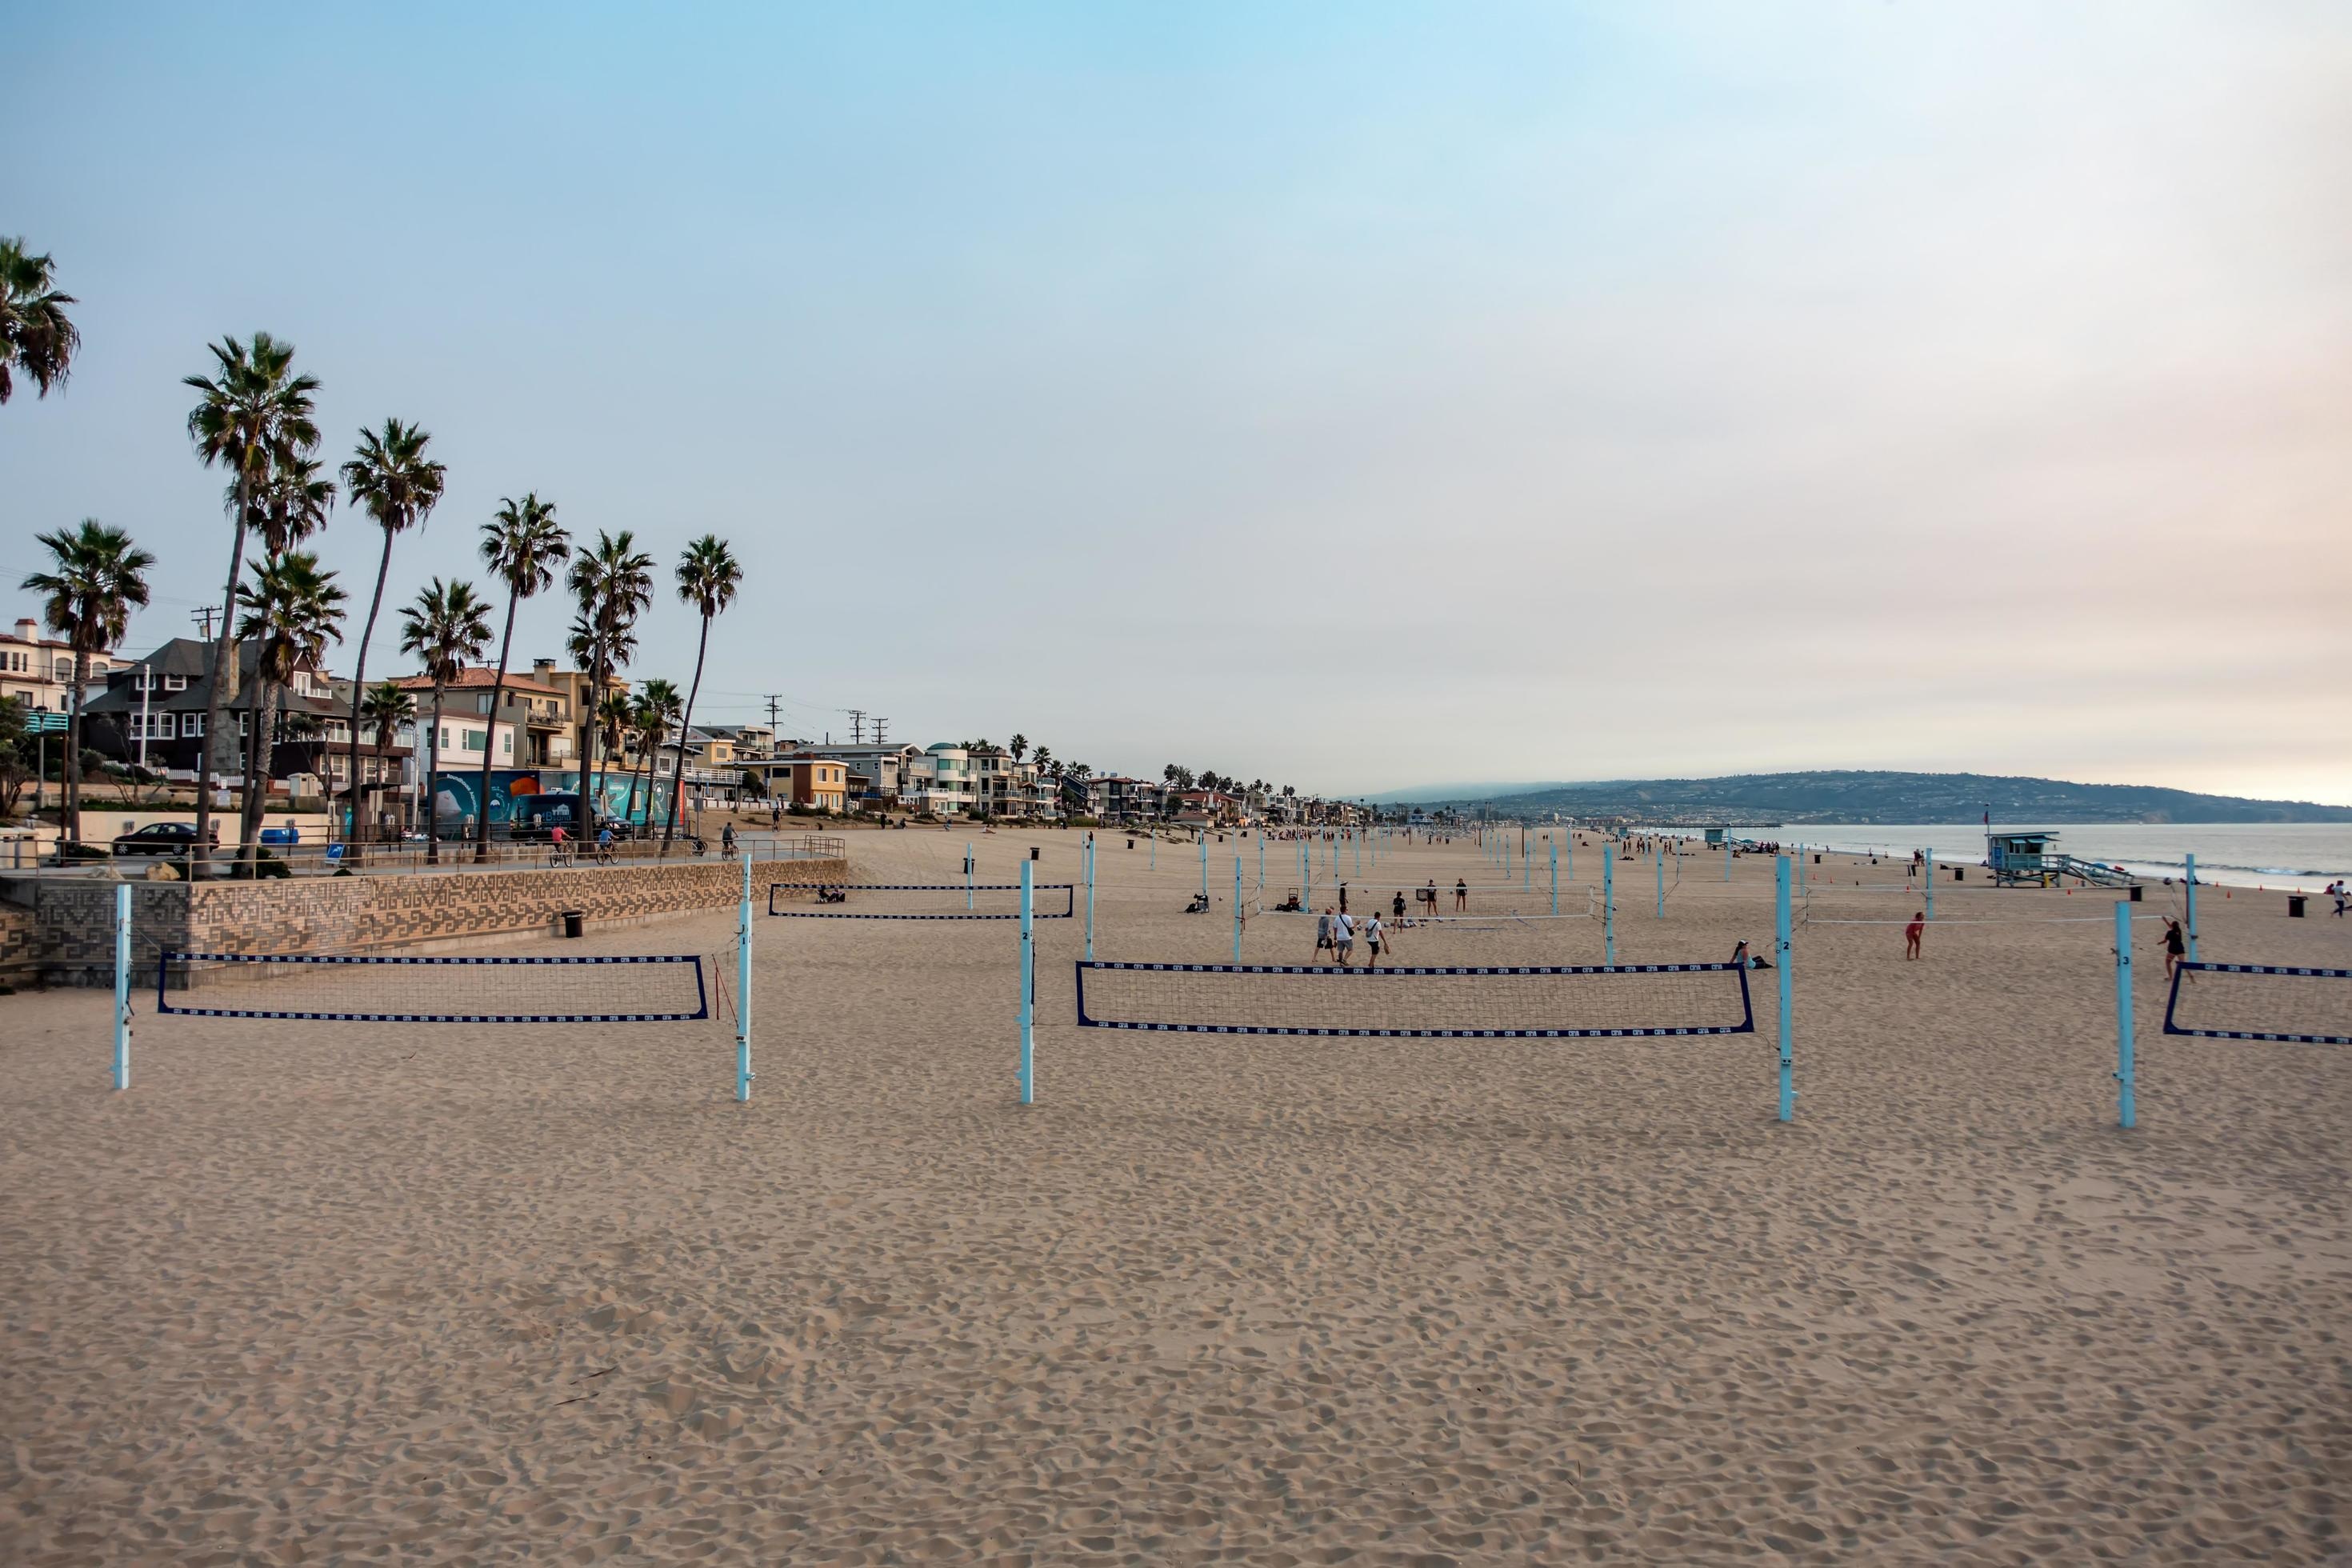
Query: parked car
[281, 835]
[162, 838]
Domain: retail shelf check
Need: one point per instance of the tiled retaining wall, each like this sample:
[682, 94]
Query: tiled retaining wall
[71, 921]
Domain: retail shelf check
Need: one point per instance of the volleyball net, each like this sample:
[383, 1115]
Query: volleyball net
[922, 900]
[1483, 1000]
[2260, 1001]
[391, 988]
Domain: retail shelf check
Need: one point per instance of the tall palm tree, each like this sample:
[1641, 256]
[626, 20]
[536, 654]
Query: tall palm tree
[293, 610]
[657, 711]
[708, 577]
[521, 546]
[446, 628]
[254, 414]
[1018, 746]
[387, 709]
[614, 582]
[36, 337]
[391, 477]
[98, 576]
[616, 723]
[288, 507]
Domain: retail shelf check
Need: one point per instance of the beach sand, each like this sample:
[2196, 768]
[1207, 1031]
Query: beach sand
[315, 1292]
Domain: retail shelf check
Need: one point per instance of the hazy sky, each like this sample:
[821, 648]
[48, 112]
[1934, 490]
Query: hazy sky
[1354, 397]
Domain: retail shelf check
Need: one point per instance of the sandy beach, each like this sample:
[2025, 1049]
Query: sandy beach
[313, 1293]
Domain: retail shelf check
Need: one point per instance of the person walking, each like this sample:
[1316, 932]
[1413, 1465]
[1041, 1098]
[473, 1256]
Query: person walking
[1374, 936]
[1343, 931]
[2176, 946]
[1322, 935]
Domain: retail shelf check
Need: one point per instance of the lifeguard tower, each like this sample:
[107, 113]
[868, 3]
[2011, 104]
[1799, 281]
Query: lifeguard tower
[1715, 836]
[2034, 860]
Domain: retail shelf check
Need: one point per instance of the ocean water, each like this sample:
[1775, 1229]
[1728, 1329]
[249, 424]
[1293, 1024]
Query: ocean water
[2304, 855]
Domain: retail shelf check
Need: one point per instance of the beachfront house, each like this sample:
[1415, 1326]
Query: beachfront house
[820, 783]
[938, 780]
[38, 671]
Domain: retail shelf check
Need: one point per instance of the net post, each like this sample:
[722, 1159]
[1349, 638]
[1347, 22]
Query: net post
[1727, 854]
[1608, 908]
[1555, 876]
[1306, 883]
[1928, 862]
[1261, 864]
[1028, 990]
[1237, 909]
[122, 986]
[1204, 865]
[1090, 896]
[743, 990]
[968, 877]
[2127, 1110]
[2191, 874]
[1658, 859]
[1780, 956]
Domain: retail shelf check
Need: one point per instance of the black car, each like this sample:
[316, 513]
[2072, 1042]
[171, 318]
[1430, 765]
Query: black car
[161, 838]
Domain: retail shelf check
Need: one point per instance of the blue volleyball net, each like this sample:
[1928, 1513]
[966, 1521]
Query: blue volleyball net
[1484, 1000]
[2260, 1001]
[392, 988]
[922, 900]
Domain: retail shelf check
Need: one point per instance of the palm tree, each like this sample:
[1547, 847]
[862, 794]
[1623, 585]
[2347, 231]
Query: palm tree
[707, 576]
[521, 546]
[614, 582]
[392, 478]
[288, 507]
[386, 708]
[36, 335]
[1018, 745]
[616, 721]
[99, 575]
[254, 416]
[446, 628]
[293, 610]
[654, 712]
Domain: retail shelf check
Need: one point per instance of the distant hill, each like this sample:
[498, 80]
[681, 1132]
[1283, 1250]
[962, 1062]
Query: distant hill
[1861, 797]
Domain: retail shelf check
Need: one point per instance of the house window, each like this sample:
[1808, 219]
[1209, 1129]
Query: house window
[477, 741]
[191, 727]
[445, 737]
[506, 744]
[175, 683]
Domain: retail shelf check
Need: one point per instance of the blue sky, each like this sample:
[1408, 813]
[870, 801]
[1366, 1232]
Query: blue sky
[1351, 397]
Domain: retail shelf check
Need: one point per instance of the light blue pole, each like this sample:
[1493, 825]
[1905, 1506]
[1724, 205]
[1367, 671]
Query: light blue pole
[743, 988]
[1237, 909]
[1357, 836]
[122, 986]
[1204, 866]
[1928, 859]
[1526, 864]
[1609, 907]
[1555, 876]
[1155, 850]
[1781, 954]
[1261, 862]
[1727, 854]
[1028, 989]
[2193, 908]
[1570, 832]
[2126, 1112]
[1090, 900]
[967, 873]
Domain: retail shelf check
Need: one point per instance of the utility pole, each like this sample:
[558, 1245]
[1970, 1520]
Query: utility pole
[203, 619]
[773, 697]
[856, 725]
[881, 725]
